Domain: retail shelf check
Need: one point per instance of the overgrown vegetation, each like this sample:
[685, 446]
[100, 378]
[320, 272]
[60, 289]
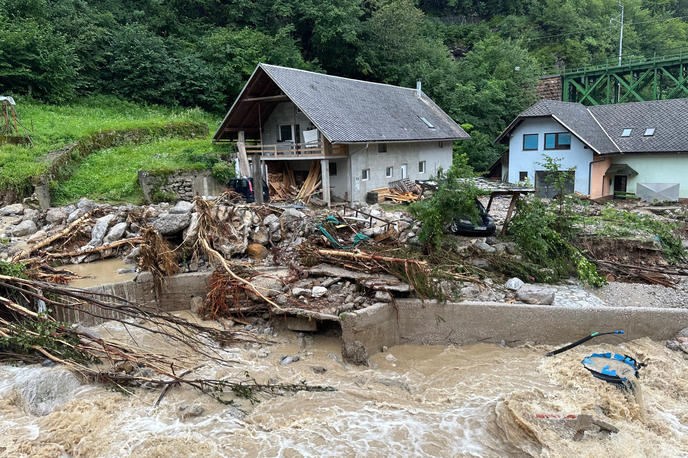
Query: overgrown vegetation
[453, 198]
[478, 60]
[545, 234]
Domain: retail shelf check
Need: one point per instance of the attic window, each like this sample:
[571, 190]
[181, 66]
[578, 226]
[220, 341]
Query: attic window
[427, 123]
[649, 132]
[626, 133]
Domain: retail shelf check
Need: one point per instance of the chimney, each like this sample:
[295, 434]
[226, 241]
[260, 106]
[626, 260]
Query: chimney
[418, 93]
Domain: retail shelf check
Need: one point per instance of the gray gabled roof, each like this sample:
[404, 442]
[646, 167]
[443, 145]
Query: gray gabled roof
[601, 127]
[353, 111]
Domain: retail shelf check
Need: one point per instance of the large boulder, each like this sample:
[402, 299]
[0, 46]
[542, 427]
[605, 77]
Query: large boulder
[99, 230]
[514, 283]
[191, 232]
[172, 223]
[291, 214]
[47, 389]
[257, 251]
[181, 207]
[85, 205]
[534, 294]
[56, 215]
[27, 227]
[11, 210]
[115, 233]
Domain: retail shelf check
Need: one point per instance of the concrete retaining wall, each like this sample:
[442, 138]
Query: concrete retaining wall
[141, 291]
[177, 185]
[465, 323]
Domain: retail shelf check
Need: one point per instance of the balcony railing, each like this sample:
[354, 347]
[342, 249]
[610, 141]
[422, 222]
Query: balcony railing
[293, 151]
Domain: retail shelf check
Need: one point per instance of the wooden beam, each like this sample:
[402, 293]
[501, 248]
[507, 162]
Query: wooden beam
[269, 98]
[241, 129]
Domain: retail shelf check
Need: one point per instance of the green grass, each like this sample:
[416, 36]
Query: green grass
[55, 126]
[111, 175]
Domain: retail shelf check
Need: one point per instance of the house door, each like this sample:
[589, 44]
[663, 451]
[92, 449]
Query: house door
[403, 172]
[620, 182]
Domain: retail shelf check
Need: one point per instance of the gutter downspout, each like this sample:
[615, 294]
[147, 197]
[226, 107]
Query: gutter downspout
[590, 177]
[351, 170]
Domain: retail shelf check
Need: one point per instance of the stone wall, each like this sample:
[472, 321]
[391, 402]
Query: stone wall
[549, 88]
[171, 185]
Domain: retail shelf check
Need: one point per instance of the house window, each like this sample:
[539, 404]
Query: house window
[365, 174]
[522, 176]
[389, 171]
[626, 132]
[530, 142]
[649, 132]
[421, 167]
[333, 169]
[382, 147]
[285, 133]
[558, 141]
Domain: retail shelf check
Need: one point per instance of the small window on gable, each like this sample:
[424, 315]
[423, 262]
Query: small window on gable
[530, 142]
[382, 147]
[649, 132]
[427, 123]
[389, 171]
[626, 132]
[421, 167]
[365, 174]
[285, 133]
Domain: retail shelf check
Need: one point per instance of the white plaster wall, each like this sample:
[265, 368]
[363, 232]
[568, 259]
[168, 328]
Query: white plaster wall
[283, 114]
[397, 154]
[526, 161]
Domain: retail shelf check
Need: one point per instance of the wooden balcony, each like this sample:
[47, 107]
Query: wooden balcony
[290, 151]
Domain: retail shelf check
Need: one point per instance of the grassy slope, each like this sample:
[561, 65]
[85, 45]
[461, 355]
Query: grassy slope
[57, 126]
[110, 175]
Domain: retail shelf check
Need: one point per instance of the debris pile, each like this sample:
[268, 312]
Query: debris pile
[401, 191]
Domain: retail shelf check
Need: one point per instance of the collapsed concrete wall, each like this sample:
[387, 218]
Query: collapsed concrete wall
[177, 295]
[417, 322]
[171, 185]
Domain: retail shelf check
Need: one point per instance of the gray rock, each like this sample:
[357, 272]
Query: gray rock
[115, 233]
[482, 264]
[291, 214]
[31, 214]
[191, 231]
[491, 240]
[318, 369]
[470, 292]
[318, 291]
[171, 224]
[286, 360]
[682, 333]
[11, 210]
[355, 353]
[296, 292]
[56, 215]
[330, 281]
[533, 294]
[24, 228]
[383, 296]
[195, 304]
[131, 258]
[181, 207]
[85, 205]
[37, 237]
[268, 286]
[514, 283]
[74, 215]
[482, 246]
[99, 230]
[42, 392]
[672, 345]
[272, 222]
[126, 270]
[683, 346]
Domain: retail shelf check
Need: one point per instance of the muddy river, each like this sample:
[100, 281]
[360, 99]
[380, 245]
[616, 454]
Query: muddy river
[474, 401]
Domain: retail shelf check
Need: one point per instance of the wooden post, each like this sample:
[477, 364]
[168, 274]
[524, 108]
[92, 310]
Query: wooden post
[257, 179]
[325, 172]
[489, 203]
[244, 168]
[512, 205]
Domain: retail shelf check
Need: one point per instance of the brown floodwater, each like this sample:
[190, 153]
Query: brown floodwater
[98, 273]
[473, 401]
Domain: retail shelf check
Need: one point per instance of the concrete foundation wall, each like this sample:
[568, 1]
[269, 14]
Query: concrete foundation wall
[141, 291]
[435, 154]
[183, 185]
[431, 323]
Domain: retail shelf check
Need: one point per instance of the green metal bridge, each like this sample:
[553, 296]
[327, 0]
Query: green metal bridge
[635, 80]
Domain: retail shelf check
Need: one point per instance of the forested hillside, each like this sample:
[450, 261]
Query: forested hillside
[478, 60]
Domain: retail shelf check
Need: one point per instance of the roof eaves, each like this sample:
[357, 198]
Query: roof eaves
[221, 127]
[575, 134]
[604, 130]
